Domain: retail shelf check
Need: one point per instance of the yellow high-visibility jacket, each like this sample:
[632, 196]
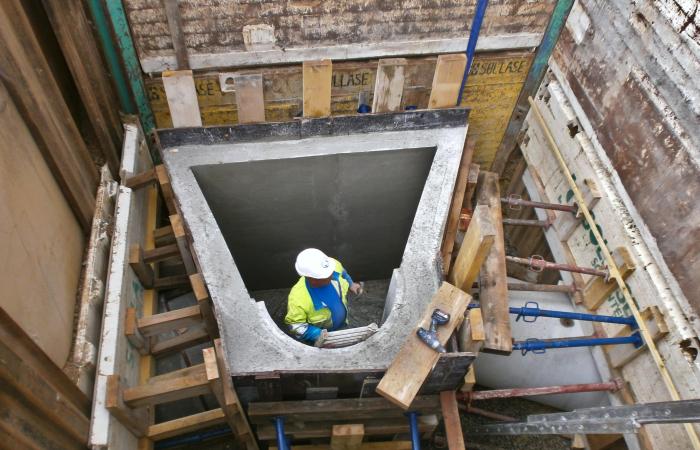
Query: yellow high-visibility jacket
[302, 312]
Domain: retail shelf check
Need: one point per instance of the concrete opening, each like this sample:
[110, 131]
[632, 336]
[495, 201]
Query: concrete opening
[356, 207]
[374, 194]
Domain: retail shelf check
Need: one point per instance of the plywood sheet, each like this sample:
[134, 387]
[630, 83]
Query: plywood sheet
[41, 241]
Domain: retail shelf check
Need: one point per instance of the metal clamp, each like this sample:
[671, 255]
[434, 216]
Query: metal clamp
[536, 263]
[535, 351]
[513, 202]
[529, 318]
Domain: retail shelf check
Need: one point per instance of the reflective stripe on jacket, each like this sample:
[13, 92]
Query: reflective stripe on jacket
[301, 311]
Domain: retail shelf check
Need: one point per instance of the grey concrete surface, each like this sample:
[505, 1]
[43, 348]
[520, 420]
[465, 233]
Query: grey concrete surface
[252, 341]
[356, 207]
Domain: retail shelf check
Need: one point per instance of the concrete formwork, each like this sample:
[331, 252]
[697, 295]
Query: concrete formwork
[325, 175]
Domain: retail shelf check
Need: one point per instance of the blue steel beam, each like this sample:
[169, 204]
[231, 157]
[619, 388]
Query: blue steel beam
[120, 25]
[532, 82]
[539, 346]
[471, 45]
[530, 311]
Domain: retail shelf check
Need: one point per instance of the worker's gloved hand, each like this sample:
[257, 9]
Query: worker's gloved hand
[311, 334]
[356, 288]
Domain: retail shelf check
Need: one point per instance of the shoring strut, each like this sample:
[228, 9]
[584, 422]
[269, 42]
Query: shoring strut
[538, 264]
[612, 386]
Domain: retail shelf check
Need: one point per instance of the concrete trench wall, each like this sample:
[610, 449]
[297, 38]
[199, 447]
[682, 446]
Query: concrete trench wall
[254, 344]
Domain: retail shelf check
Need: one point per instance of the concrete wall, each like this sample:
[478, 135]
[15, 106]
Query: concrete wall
[633, 67]
[216, 27]
[41, 242]
[357, 208]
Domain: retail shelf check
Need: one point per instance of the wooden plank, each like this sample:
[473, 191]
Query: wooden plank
[226, 396]
[317, 88]
[447, 80]
[415, 360]
[475, 247]
[249, 97]
[352, 409]
[144, 272]
[168, 390]
[171, 282]
[79, 47]
[158, 254]
[177, 36]
[388, 85]
[347, 436]
[372, 427]
[140, 180]
[132, 333]
[450, 417]
[135, 420]
[133, 224]
[166, 189]
[32, 381]
[201, 294]
[493, 277]
[456, 207]
[187, 424]
[469, 380]
[619, 355]
[476, 325]
[472, 180]
[182, 244]
[29, 77]
[597, 290]
[171, 320]
[191, 337]
[22, 426]
[81, 364]
[182, 98]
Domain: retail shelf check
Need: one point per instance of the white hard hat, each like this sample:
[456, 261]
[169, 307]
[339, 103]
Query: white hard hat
[313, 263]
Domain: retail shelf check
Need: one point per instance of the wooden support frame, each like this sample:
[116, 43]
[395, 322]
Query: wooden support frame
[450, 416]
[182, 243]
[182, 98]
[493, 277]
[317, 88]
[206, 307]
[347, 436]
[456, 207]
[388, 85]
[415, 360]
[476, 245]
[186, 317]
[187, 424]
[597, 289]
[183, 383]
[447, 80]
[221, 384]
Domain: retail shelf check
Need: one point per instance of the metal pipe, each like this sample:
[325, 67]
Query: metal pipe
[612, 386]
[279, 429]
[471, 45]
[541, 264]
[527, 222]
[526, 311]
[112, 57]
[413, 425]
[514, 201]
[120, 25]
[539, 346]
[568, 288]
[490, 414]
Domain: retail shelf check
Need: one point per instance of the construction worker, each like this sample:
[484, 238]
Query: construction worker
[318, 301]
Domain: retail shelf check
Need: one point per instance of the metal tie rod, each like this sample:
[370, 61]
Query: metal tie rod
[601, 420]
[515, 202]
[537, 264]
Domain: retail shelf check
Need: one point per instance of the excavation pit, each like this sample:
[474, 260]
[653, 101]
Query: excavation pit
[373, 193]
